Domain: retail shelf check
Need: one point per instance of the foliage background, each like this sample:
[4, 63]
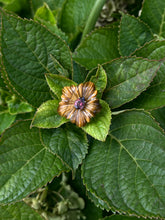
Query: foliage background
[49, 168]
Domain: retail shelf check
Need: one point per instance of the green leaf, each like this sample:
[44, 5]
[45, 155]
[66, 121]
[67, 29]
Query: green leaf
[127, 170]
[99, 47]
[6, 119]
[47, 115]
[17, 5]
[74, 15]
[133, 34]
[18, 211]
[57, 83]
[33, 44]
[53, 4]
[154, 96]
[159, 115]
[99, 125]
[97, 201]
[26, 164]
[46, 17]
[153, 13]
[127, 78]
[79, 73]
[17, 107]
[100, 80]
[123, 217]
[68, 142]
[45, 14]
[59, 67]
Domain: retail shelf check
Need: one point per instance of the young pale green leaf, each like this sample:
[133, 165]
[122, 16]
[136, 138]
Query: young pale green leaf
[53, 4]
[100, 81]
[17, 107]
[18, 211]
[45, 14]
[153, 13]
[47, 116]
[133, 34]
[127, 78]
[68, 142]
[154, 96]
[57, 83]
[129, 173]
[6, 119]
[26, 49]
[99, 47]
[99, 125]
[26, 164]
[123, 217]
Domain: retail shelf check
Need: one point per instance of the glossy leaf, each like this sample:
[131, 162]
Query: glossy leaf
[33, 44]
[47, 115]
[99, 125]
[68, 142]
[100, 81]
[127, 170]
[99, 47]
[26, 164]
[57, 83]
[133, 34]
[153, 13]
[18, 211]
[127, 78]
[154, 96]
[6, 119]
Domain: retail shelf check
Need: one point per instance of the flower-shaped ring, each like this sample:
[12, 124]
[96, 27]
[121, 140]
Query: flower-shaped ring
[79, 103]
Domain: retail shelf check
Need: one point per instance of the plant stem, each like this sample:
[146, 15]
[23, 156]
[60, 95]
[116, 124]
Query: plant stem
[93, 17]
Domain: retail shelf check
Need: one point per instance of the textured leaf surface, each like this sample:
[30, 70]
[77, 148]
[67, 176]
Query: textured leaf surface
[25, 162]
[133, 34]
[127, 170]
[153, 13]
[6, 119]
[68, 142]
[99, 125]
[159, 115]
[18, 211]
[127, 78]
[123, 217]
[100, 81]
[47, 115]
[154, 96]
[26, 49]
[99, 47]
[57, 83]
[45, 16]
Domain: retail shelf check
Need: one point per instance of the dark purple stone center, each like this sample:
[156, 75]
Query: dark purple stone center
[79, 103]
